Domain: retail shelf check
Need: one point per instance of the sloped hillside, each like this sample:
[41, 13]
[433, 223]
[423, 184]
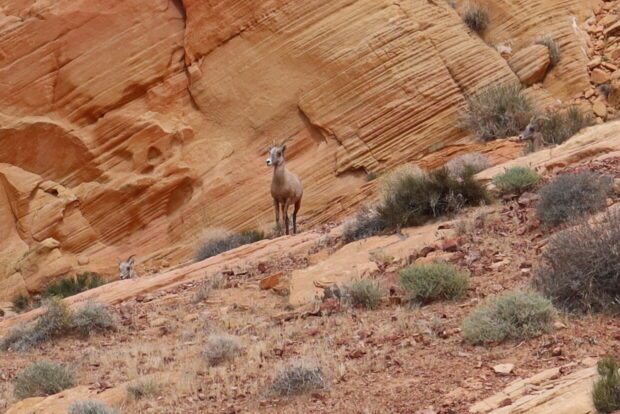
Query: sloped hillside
[128, 128]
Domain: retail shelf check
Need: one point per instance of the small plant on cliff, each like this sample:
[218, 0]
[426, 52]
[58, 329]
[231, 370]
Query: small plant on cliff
[90, 407]
[497, 111]
[570, 196]
[143, 388]
[365, 293]
[561, 125]
[429, 282]
[224, 243]
[471, 163]
[476, 18]
[92, 317]
[580, 267]
[516, 180]
[512, 316]
[296, 378]
[42, 379]
[66, 287]
[366, 223]
[606, 390]
[411, 198]
[21, 303]
[553, 46]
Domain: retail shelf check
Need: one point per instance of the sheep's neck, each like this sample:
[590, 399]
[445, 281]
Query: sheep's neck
[279, 173]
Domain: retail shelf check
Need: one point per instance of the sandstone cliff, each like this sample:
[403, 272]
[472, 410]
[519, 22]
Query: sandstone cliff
[129, 127]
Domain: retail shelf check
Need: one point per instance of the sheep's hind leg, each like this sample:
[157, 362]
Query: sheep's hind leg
[297, 205]
[285, 214]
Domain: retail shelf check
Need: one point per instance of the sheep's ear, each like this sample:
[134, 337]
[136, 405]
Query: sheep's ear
[131, 260]
[118, 261]
[283, 147]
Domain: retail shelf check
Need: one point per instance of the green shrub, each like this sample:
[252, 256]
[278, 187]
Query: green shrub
[90, 407]
[570, 196]
[365, 293]
[413, 199]
[223, 244]
[430, 282]
[497, 111]
[367, 223]
[143, 388]
[553, 46]
[222, 348]
[560, 126]
[516, 180]
[468, 164]
[21, 302]
[296, 378]
[512, 316]
[66, 287]
[476, 18]
[580, 267]
[42, 379]
[606, 391]
[92, 317]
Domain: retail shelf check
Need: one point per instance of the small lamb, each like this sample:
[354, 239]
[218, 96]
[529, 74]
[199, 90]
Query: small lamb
[532, 132]
[126, 268]
[286, 188]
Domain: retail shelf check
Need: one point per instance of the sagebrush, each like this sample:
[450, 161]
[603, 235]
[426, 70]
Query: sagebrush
[468, 164]
[516, 180]
[366, 223]
[580, 267]
[144, 388]
[90, 407]
[559, 126]
[569, 196]
[91, 318]
[228, 242]
[365, 293]
[41, 379]
[606, 390]
[298, 377]
[413, 199]
[222, 348]
[476, 18]
[510, 317]
[426, 283]
[497, 111]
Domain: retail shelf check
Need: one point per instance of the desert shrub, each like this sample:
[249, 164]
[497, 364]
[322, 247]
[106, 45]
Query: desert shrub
[367, 223]
[467, 164]
[92, 317]
[476, 18]
[221, 348]
[298, 377]
[143, 388]
[365, 293]
[569, 196]
[580, 267]
[606, 390]
[553, 46]
[497, 111]
[21, 303]
[413, 199]
[561, 125]
[429, 282]
[222, 244]
[41, 379]
[516, 180]
[202, 293]
[68, 286]
[21, 337]
[512, 316]
[90, 407]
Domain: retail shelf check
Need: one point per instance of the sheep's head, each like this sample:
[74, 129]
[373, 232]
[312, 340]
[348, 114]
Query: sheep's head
[276, 153]
[126, 268]
[532, 128]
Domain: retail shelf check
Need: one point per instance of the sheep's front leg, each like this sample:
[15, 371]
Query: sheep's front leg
[276, 207]
[285, 213]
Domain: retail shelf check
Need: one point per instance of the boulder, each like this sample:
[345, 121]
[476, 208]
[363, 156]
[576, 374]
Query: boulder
[530, 63]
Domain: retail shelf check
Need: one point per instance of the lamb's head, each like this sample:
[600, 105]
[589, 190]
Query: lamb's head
[126, 268]
[276, 153]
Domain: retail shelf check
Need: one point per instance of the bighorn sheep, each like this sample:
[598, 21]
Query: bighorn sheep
[532, 132]
[126, 268]
[286, 188]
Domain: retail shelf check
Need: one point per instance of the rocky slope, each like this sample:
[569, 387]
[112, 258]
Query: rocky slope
[130, 127]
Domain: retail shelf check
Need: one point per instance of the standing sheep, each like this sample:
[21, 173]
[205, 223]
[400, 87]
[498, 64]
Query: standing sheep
[286, 188]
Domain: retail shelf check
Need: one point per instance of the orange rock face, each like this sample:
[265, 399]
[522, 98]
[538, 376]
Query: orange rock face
[128, 128]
